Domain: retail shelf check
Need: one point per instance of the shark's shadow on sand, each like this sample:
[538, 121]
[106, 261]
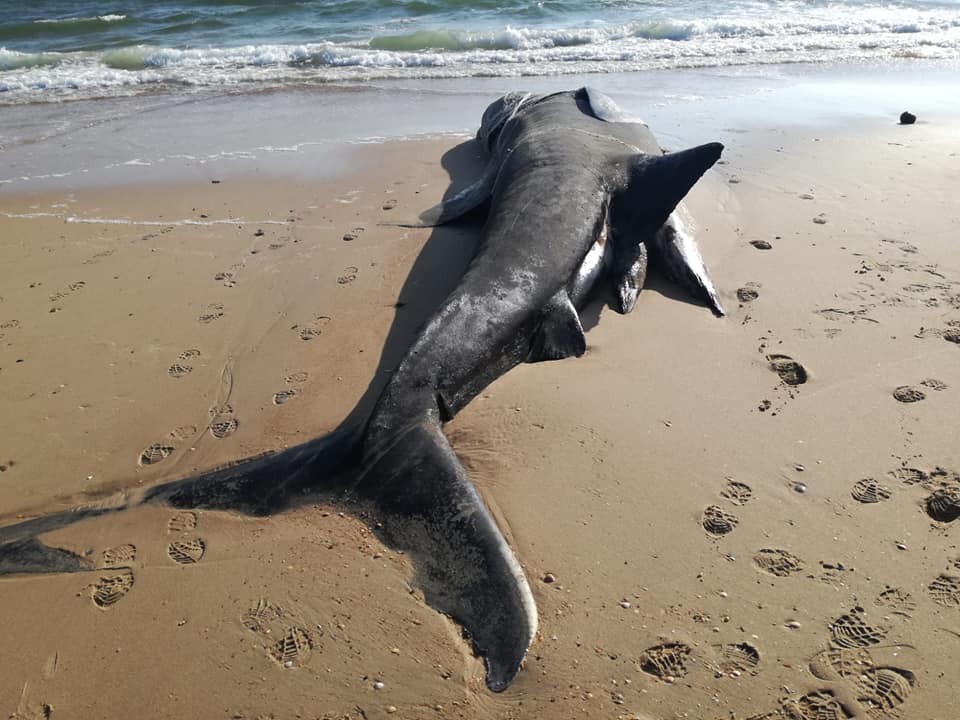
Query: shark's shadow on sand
[572, 195]
[259, 486]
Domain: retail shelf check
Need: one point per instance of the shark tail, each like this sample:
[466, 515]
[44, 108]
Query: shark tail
[261, 485]
[427, 507]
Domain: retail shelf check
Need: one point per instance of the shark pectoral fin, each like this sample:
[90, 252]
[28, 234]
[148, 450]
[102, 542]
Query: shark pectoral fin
[32, 556]
[675, 252]
[560, 334]
[470, 198]
[629, 273]
[427, 507]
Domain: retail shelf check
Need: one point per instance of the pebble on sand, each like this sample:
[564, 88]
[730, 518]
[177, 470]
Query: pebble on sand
[907, 118]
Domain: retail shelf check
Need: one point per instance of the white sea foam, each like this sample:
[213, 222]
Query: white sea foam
[743, 33]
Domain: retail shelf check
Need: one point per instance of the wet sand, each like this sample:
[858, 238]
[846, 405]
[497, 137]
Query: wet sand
[732, 513]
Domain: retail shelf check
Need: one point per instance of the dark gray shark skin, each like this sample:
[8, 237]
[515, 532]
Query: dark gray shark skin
[577, 196]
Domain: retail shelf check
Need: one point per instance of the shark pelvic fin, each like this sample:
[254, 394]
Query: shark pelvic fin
[675, 253]
[560, 334]
[426, 506]
[629, 272]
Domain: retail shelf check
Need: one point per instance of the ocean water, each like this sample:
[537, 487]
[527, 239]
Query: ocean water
[53, 50]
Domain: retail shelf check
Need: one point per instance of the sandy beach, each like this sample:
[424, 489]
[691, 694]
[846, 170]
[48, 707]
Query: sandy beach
[720, 518]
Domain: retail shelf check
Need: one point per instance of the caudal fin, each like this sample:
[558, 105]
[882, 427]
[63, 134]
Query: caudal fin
[428, 508]
[258, 486]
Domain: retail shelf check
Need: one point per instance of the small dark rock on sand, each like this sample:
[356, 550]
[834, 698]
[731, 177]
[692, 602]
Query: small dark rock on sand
[761, 244]
[907, 118]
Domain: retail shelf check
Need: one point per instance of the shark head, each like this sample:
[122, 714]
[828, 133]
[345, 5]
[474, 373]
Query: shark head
[498, 114]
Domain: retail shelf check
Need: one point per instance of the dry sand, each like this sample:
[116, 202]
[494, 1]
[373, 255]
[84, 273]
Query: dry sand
[705, 523]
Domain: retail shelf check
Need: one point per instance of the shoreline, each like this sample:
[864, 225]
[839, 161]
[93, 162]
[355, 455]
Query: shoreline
[654, 610]
[310, 133]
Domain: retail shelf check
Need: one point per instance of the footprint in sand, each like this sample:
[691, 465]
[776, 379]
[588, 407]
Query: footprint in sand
[211, 312]
[907, 394]
[279, 398]
[816, 705]
[820, 219]
[181, 366]
[945, 590]
[183, 432]
[295, 644]
[295, 378]
[879, 689]
[777, 562]
[934, 384]
[352, 234]
[718, 522]
[187, 552]
[897, 602]
[182, 522]
[293, 648]
[389, 204]
[313, 329]
[226, 277]
[223, 425]
[110, 589]
[155, 453]
[348, 275]
[222, 421]
[747, 294]
[943, 505]
[851, 630]
[666, 661]
[790, 371]
[869, 491]
[761, 244]
[952, 335]
[737, 492]
[178, 370]
[120, 556]
[737, 658]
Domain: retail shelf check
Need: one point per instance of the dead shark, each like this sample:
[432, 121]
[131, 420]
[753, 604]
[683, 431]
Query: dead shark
[577, 196]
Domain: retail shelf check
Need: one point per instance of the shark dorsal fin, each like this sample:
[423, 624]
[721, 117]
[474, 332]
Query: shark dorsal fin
[560, 334]
[655, 184]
